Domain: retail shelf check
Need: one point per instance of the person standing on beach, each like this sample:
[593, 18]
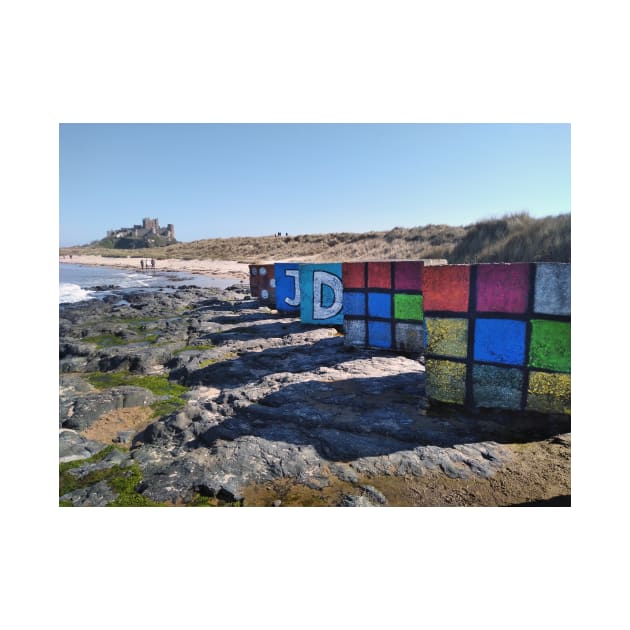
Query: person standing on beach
[152, 263]
[142, 264]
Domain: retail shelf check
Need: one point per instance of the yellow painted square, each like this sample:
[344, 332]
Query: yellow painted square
[447, 336]
[549, 393]
[446, 381]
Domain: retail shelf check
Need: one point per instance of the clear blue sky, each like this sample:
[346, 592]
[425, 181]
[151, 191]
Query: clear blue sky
[222, 180]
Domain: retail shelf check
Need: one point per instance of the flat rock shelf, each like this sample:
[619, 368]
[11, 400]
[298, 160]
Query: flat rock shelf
[194, 397]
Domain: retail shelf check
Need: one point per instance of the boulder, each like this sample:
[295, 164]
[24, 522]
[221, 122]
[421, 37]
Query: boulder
[86, 409]
[73, 446]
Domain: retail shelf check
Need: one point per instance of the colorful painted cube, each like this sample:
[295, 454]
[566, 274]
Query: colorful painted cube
[262, 283]
[499, 335]
[288, 296]
[321, 294]
[383, 305]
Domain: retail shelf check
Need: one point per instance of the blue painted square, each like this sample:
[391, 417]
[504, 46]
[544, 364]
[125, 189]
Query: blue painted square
[500, 341]
[321, 294]
[380, 334]
[353, 303]
[287, 277]
[380, 305]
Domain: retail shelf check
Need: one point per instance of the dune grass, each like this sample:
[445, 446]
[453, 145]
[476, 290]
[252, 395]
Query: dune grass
[511, 238]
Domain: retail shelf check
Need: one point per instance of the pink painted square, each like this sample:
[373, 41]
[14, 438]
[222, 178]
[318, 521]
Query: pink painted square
[408, 275]
[503, 288]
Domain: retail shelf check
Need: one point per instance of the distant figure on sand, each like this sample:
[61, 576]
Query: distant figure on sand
[142, 264]
[152, 263]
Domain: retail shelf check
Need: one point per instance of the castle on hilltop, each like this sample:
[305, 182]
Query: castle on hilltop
[148, 228]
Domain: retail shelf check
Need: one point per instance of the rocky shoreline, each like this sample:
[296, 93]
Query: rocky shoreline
[189, 396]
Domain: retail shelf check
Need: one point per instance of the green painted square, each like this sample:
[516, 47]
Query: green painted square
[550, 345]
[408, 306]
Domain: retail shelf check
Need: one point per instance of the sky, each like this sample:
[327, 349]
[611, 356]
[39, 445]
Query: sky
[226, 180]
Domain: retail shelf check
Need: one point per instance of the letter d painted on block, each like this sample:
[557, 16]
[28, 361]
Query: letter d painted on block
[322, 279]
[321, 291]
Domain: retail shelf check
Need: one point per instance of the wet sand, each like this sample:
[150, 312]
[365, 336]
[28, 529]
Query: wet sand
[217, 268]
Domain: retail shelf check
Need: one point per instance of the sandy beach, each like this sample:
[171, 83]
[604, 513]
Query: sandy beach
[217, 268]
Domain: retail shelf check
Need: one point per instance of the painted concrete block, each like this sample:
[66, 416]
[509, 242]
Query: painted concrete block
[379, 275]
[408, 275]
[503, 288]
[321, 292]
[447, 336]
[354, 275]
[500, 341]
[446, 288]
[553, 289]
[262, 283]
[379, 334]
[379, 305]
[511, 339]
[549, 393]
[287, 279]
[354, 303]
[387, 297]
[408, 306]
[446, 381]
[550, 346]
[408, 337]
[355, 329]
[495, 386]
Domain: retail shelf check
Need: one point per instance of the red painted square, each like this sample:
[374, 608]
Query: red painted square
[408, 275]
[353, 275]
[380, 275]
[503, 288]
[446, 288]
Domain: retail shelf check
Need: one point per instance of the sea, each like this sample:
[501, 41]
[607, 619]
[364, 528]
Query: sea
[86, 282]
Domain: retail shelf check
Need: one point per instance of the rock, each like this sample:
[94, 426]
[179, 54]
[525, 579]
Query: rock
[270, 399]
[230, 492]
[181, 422]
[352, 500]
[125, 437]
[374, 495]
[96, 495]
[85, 409]
[114, 458]
[73, 446]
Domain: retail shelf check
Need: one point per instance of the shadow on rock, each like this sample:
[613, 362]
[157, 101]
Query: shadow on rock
[563, 500]
[284, 357]
[371, 417]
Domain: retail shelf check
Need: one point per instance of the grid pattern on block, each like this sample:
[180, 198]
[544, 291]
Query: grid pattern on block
[383, 305]
[499, 335]
[262, 283]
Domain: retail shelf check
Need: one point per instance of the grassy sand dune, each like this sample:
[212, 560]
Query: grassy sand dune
[512, 238]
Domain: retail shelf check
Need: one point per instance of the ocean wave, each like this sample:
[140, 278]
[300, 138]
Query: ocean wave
[69, 292]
